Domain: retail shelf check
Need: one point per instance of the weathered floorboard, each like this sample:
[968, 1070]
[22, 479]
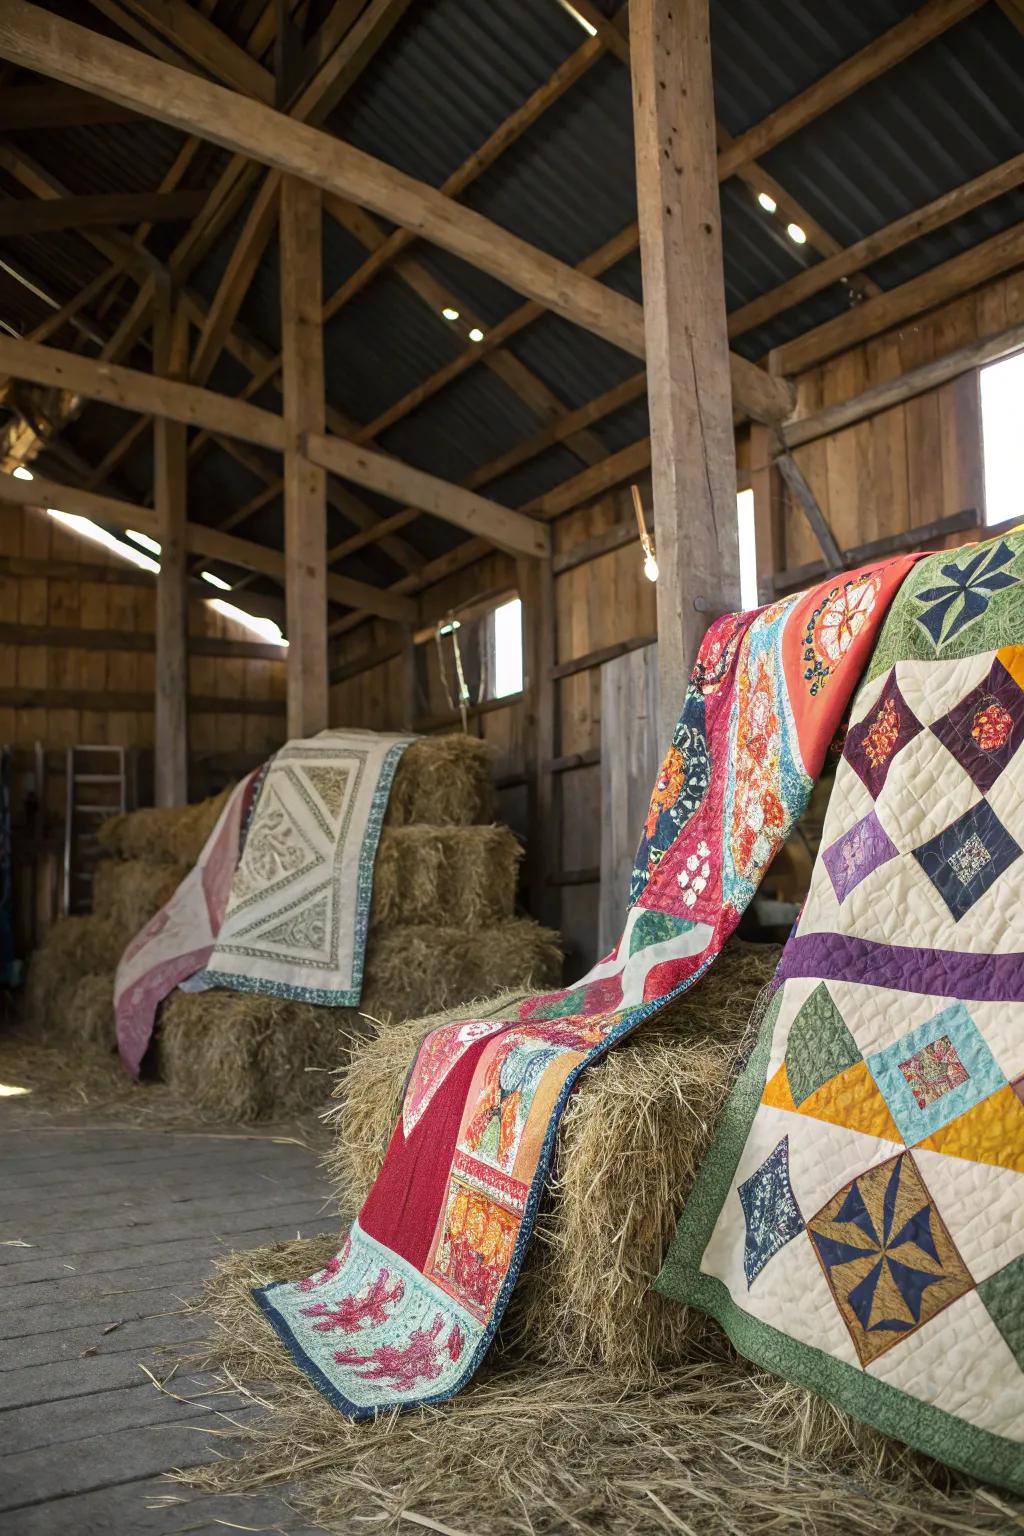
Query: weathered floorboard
[119, 1228]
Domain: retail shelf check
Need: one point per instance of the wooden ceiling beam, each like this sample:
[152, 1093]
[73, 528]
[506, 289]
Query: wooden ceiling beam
[508, 530]
[176, 401]
[55, 106]
[194, 35]
[132, 390]
[36, 216]
[199, 540]
[238, 275]
[38, 40]
[934, 215]
[514, 373]
[1001, 253]
[504, 136]
[875, 59]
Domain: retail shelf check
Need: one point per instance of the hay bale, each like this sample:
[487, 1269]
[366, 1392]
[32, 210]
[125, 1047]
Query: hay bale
[131, 891]
[442, 781]
[631, 1140]
[248, 1057]
[74, 947]
[418, 968]
[713, 1447]
[90, 1013]
[163, 835]
[464, 877]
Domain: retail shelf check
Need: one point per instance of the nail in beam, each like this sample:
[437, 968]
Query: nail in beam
[693, 462]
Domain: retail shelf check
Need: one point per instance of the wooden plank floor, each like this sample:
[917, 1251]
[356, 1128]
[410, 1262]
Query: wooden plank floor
[119, 1227]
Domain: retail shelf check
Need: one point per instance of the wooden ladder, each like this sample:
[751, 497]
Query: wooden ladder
[97, 789]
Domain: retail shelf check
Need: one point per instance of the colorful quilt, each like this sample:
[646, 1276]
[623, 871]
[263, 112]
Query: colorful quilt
[406, 1311]
[859, 1224]
[179, 938]
[297, 915]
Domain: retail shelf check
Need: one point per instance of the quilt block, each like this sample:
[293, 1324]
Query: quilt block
[859, 1224]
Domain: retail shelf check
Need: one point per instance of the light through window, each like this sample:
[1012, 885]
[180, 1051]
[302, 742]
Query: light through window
[748, 550]
[507, 631]
[1002, 426]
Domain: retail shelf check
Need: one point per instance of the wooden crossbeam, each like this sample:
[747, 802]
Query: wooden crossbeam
[940, 211]
[199, 541]
[135, 391]
[511, 531]
[55, 106]
[36, 216]
[1000, 253]
[38, 40]
[882, 397]
[875, 59]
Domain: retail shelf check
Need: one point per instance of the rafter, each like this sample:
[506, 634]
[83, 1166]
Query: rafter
[43, 215]
[38, 40]
[942, 210]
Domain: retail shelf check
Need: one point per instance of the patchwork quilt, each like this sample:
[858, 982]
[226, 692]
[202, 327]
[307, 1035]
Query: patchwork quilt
[299, 905]
[859, 1224]
[179, 938]
[407, 1309]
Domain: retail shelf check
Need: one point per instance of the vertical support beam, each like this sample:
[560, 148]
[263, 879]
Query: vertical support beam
[535, 580]
[408, 662]
[690, 398]
[305, 485]
[170, 499]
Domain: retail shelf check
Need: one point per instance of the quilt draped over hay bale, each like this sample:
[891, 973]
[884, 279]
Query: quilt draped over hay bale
[131, 891]
[463, 877]
[663, 1429]
[632, 1136]
[250, 1056]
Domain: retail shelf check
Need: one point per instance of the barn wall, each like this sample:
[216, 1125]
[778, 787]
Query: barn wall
[56, 695]
[908, 466]
[919, 461]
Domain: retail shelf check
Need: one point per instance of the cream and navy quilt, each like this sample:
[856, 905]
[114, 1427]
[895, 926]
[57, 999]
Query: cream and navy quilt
[859, 1223]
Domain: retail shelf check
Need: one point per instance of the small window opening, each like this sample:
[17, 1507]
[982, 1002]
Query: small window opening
[1002, 429]
[748, 549]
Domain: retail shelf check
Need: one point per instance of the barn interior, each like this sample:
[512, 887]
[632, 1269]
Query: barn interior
[422, 367]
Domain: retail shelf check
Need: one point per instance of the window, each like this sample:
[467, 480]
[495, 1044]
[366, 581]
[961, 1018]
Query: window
[506, 649]
[1002, 427]
[748, 550]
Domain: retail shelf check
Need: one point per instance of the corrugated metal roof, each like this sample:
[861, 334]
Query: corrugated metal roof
[449, 74]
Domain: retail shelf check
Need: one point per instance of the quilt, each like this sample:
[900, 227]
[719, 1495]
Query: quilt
[299, 905]
[858, 1226]
[405, 1312]
[179, 939]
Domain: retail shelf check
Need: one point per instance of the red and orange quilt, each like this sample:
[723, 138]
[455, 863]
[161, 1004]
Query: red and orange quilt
[408, 1308]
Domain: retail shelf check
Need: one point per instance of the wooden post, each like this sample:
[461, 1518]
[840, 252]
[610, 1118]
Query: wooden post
[535, 580]
[305, 484]
[693, 455]
[170, 498]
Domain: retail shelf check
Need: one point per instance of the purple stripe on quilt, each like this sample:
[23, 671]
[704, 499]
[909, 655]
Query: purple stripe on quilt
[938, 972]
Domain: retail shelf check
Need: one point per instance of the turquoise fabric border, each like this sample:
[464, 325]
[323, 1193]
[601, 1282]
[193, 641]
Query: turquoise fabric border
[990, 1458]
[329, 997]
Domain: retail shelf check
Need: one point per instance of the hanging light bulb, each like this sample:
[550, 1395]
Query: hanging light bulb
[650, 560]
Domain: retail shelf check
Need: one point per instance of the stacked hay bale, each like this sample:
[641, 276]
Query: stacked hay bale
[631, 1140]
[69, 996]
[442, 932]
